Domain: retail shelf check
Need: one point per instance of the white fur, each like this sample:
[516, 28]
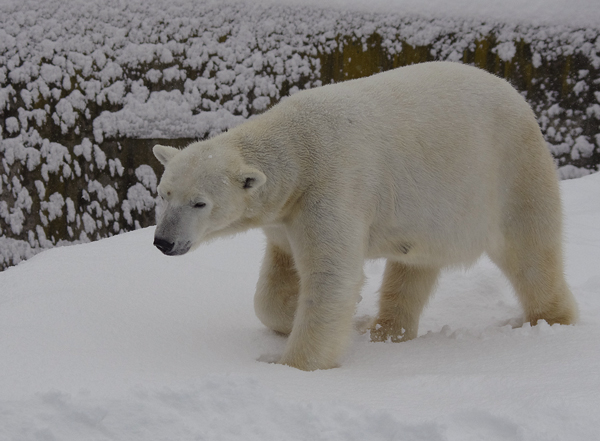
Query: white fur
[428, 166]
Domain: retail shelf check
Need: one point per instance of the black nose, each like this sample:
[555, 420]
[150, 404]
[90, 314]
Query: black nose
[163, 245]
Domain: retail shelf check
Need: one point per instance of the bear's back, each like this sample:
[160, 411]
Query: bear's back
[434, 151]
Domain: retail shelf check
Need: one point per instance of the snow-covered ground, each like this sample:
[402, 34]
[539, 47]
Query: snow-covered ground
[111, 340]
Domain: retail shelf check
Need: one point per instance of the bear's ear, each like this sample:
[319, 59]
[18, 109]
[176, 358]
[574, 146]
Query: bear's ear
[252, 178]
[163, 153]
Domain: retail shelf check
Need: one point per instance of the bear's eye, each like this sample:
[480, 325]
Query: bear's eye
[199, 205]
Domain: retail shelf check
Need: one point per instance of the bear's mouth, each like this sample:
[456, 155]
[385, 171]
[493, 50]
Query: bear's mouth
[171, 248]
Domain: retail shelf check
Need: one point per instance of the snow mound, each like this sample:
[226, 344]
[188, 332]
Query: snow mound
[220, 407]
[111, 340]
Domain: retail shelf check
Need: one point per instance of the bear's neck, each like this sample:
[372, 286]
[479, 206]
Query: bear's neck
[270, 147]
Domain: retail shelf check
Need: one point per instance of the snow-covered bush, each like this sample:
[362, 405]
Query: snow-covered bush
[86, 89]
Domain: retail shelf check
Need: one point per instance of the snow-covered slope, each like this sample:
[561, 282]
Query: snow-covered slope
[114, 341]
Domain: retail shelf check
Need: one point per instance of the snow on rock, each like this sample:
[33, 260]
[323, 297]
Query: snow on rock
[139, 199]
[54, 207]
[147, 177]
[236, 52]
[163, 115]
[582, 147]
[572, 172]
[12, 124]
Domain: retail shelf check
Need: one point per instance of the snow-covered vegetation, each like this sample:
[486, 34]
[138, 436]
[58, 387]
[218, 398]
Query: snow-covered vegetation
[86, 86]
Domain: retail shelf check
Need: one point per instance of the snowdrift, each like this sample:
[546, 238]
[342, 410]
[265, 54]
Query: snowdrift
[111, 340]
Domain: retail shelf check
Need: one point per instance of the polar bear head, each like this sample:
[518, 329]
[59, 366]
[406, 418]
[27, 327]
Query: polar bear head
[207, 190]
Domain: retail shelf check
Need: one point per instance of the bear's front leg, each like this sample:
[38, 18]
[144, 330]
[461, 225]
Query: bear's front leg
[277, 290]
[331, 276]
[323, 322]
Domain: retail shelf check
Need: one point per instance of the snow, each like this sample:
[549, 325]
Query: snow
[583, 148]
[100, 50]
[580, 13]
[111, 340]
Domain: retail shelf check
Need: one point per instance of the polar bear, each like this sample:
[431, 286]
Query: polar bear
[428, 166]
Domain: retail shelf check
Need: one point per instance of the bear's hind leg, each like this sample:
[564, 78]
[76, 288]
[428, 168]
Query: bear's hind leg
[277, 290]
[404, 293]
[538, 280]
[528, 244]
